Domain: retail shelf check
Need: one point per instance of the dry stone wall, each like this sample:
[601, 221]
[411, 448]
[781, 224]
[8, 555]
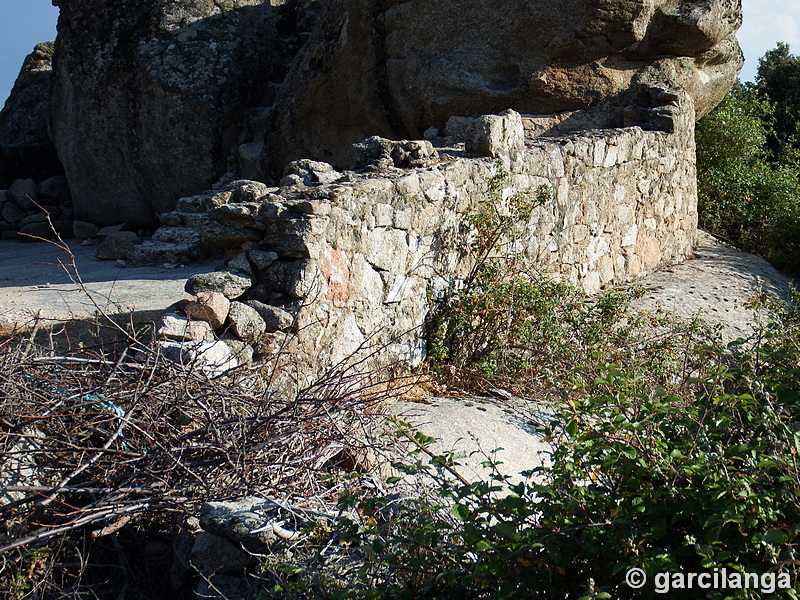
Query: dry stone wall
[341, 262]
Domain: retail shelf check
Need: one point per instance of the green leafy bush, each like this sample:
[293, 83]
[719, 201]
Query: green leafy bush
[778, 80]
[701, 477]
[507, 325]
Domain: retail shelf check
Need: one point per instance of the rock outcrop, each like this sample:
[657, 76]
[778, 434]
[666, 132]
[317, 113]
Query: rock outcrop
[148, 97]
[394, 69]
[25, 147]
[155, 100]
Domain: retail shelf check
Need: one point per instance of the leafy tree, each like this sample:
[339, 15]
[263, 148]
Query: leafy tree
[745, 195]
[778, 81]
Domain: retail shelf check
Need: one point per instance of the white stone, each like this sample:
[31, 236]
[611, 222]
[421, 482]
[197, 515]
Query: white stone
[403, 218]
[611, 157]
[246, 323]
[19, 465]
[383, 214]
[397, 287]
[179, 327]
[214, 358]
[497, 136]
[366, 281]
[629, 237]
[436, 193]
[387, 249]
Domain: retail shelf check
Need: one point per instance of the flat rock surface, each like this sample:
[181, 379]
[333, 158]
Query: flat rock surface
[716, 285]
[482, 429]
[32, 282]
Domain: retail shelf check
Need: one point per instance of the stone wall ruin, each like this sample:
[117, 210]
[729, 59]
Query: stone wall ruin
[332, 263]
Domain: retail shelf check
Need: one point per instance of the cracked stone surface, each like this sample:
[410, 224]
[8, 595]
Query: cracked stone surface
[483, 428]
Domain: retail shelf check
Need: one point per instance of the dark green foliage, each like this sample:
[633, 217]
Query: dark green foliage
[778, 81]
[692, 477]
[513, 327]
[745, 195]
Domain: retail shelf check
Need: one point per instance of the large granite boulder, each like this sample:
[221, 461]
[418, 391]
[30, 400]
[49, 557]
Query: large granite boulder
[394, 68]
[148, 96]
[25, 147]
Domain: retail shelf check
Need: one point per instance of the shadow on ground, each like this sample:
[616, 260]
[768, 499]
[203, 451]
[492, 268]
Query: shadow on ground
[38, 281]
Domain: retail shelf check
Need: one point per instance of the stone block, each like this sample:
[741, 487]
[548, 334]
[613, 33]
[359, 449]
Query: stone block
[24, 193]
[245, 190]
[275, 319]
[179, 327]
[408, 185]
[290, 245]
[213, 357]
[232, 285]
[83, 230]
[117, 245]
[55, 189]
[187, 236]
[242, 351]
[292, 277]
[47, 230]
[387, 249]
[12, 213]
[238, 215]
[104, 232]
[211, 307]
[239, 263]
[226, 237]
[276, 343]
[262, 259]
[19, 465]
[38, 217]
[310, 172]
[497, 136]
[201, 203]
[383, 214]
[246, 323]
[217, 554]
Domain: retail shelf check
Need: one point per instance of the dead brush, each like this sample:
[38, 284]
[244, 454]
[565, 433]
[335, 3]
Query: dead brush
[100, 439]
[109, 444]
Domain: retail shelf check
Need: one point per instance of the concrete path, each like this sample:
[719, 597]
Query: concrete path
[37, 278]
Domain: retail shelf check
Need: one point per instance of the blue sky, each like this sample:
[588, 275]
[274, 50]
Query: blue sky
[24, 23]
